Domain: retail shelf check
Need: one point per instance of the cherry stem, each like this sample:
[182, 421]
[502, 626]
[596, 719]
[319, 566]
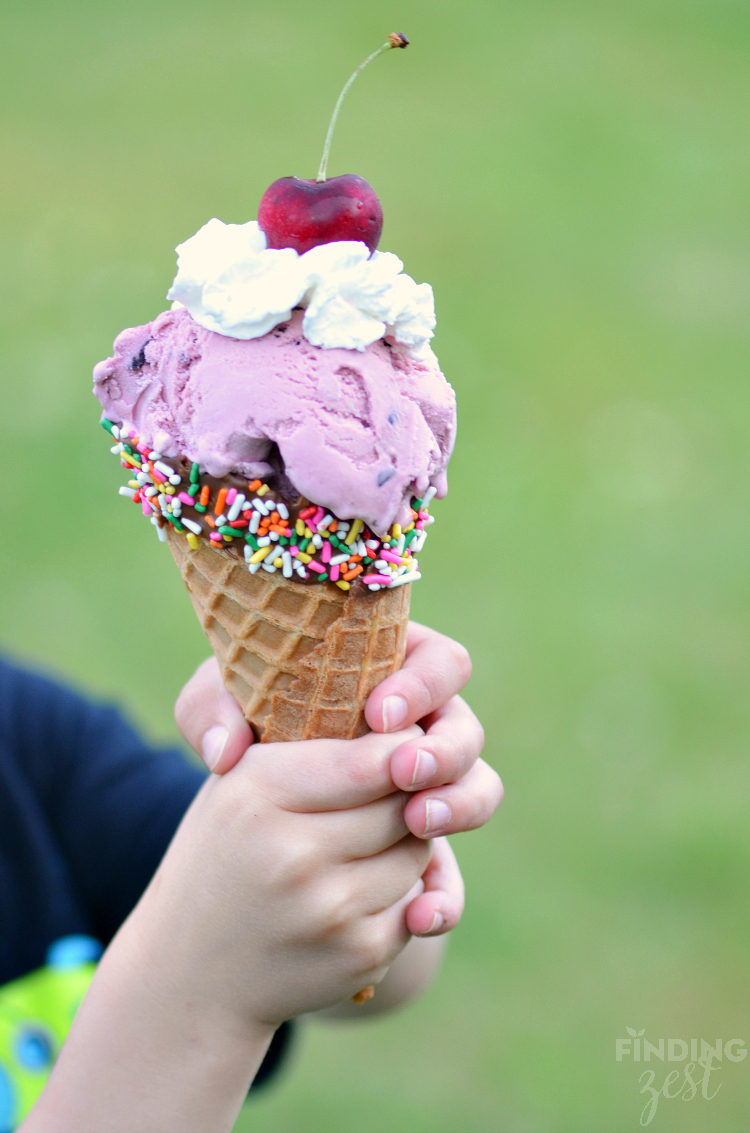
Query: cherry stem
[396, 39]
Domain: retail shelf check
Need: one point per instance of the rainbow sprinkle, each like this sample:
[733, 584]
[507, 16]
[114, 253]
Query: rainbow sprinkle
[308, 545]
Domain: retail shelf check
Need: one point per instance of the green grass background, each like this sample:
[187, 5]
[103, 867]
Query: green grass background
[572, 178]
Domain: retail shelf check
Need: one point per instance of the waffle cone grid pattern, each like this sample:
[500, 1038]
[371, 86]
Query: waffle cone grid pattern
[300, 660]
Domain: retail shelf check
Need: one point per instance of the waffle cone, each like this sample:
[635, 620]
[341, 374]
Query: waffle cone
[300, 660]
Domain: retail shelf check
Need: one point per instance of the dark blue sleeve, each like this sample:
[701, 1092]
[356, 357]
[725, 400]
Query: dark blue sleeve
[87, 811]
[112, 801]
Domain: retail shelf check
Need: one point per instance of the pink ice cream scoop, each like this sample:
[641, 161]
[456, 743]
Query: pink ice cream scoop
[359, 433]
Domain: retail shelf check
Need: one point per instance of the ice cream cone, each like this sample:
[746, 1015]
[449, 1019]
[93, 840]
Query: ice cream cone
[300, 660]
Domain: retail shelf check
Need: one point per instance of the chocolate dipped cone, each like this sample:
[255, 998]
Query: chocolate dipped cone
[300, 660]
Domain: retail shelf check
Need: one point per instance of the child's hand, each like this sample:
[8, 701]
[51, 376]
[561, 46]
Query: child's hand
[452, 788]
[285, 887]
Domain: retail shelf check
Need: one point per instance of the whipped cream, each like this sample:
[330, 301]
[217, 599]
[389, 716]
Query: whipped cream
[231, 283]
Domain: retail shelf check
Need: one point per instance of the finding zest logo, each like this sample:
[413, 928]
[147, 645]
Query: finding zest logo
[686, 1082]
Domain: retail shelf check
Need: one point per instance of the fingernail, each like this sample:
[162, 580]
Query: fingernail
[437, 816]
[425, 768]
[437, 923]
[395, 710]
[214, 742]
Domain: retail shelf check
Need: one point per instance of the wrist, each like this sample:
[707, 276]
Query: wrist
[170, 964]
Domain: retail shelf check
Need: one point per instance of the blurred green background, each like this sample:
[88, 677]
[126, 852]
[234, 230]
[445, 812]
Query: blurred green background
[572, 177]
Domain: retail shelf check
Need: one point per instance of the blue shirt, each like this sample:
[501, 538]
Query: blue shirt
[87, 810]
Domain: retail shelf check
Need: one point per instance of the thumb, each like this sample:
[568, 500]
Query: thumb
[211, 720]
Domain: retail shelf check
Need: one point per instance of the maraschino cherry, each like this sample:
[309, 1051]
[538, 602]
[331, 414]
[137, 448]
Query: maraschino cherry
[299, 214]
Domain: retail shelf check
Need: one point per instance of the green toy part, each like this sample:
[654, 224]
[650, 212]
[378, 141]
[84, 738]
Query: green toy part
[36, 1012]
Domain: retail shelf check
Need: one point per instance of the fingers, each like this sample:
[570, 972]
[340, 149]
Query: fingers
[388, 878]
[450, 746]
[211, 721]
[363, 831]
[323, 775]
[388, 933]
[383, 936]
[439, 908]
[436, 668]
[464, 805]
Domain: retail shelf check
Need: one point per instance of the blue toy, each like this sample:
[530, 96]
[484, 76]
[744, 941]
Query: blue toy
[36, 1012]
